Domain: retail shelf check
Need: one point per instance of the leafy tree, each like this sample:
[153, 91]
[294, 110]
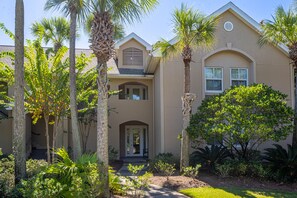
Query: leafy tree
[102, 44]
[55, 30]
[192, 30]
[282, 30]
[77, 9]
[19, 121]
[242, 118]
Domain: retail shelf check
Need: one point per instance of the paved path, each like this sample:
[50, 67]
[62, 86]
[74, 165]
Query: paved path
[157, 191]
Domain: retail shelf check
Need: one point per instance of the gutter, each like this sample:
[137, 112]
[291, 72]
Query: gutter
[134, 76]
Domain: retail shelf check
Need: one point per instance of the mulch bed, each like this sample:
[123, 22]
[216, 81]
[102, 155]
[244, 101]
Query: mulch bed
[207, 179]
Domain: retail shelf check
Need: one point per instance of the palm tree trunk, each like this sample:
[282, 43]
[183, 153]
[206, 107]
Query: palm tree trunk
[187, 101]
[294, 139]
[102, 126]
[76, 140]
[46, 120]
[19, 121]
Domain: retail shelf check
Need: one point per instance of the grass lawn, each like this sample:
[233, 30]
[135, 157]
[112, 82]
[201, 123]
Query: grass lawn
[235, 192]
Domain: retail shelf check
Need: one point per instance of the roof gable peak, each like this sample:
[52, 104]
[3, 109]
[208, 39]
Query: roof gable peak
[137, 38]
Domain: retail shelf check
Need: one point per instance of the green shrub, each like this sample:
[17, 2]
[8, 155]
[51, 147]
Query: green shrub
[115, 184]
[112, 154]
[224, 170]
[138, 183]
[65, 178]
[6, 175]
[162, 157]
[35, 166]
[282, 163]
[191, 171]
[258, 170]
[165, 169]
[209, 157]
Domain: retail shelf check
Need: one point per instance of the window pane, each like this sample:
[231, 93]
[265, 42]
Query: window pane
[208, 72]
[213, 85]
[239, 82]
[217, 73]
[243, 74]
[136, 94]
[234, 73]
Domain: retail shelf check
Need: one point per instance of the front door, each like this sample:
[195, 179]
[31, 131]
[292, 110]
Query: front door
[135, 141]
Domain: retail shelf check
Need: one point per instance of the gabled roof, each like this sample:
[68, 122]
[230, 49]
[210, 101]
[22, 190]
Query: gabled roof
[241, 15]
[137, 38]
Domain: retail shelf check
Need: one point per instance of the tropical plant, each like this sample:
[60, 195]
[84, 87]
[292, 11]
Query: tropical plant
[192, 30]
[282, 162]
[102, 44]
[209, 157]
[55, 30]
[241, 118]
[162, 157]
[191, 171]
[281, 30]
[76, 9]
[165, 168]
[19, 127]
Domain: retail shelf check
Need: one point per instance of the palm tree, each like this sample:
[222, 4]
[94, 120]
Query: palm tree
[102, 44]
[19, 129]
[77, 9]
[282, 30]
[192, 30]
[54, 30]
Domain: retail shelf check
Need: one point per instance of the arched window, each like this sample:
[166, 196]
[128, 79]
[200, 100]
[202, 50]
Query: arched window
[132, 56]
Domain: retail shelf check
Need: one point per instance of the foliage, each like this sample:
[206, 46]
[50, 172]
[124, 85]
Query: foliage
[242, 118]
[163, 157]
[112, 154]
[139, 182]
[66, 178]
[165, 168]
[115, 184]
[232, 192]
[7, 173]
[191, 171]
[282, 162]
[242, 168]
[210, 156]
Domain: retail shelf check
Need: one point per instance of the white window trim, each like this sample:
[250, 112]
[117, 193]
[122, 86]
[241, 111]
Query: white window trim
[222, 79]
[140, 87]
[140, 127]
[247, 75]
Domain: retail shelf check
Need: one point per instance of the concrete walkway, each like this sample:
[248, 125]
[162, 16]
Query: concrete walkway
[157, 191]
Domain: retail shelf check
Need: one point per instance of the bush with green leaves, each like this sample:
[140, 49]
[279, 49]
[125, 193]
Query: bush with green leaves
[191, 171]
[112, 154]
[162, 157]
[242, 168]
[243, 117]
[282, 163]
[165, 169]
[138, 182]
[208, 157]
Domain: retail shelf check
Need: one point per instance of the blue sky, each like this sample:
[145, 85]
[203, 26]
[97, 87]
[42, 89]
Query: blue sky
[152, 27]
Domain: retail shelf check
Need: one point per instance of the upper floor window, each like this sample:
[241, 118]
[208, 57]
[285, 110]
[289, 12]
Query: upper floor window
[214, 79]
[132, 56]
[133, 91]
[239, 76]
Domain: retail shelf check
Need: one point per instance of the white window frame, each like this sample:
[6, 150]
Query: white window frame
[222, 80]
[238, 68]
[131, 87]
[141, 139]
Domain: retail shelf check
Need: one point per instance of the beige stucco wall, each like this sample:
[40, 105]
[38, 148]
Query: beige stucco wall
[6, 136]
[136, 44]
[157, 111]
[124, 111]
[238, 48]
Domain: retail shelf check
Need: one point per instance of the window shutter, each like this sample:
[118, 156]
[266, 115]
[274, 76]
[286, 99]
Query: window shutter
[132, 56]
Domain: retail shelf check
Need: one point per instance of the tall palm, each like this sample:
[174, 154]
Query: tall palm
[192, 30]
[282, 30]
[19, 129]
[55, 30]
[77, 9]
[102, 44]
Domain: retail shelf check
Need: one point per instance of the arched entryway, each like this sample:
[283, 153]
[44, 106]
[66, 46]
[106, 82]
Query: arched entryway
[134, 139]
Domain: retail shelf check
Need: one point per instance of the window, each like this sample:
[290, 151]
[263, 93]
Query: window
[132, 56]
[214, 79]
[239, 76]
[133, 91]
